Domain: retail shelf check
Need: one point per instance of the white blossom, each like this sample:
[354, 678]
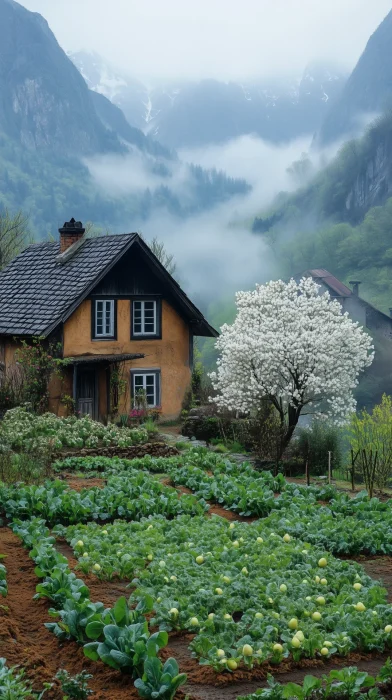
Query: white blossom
[295, 346]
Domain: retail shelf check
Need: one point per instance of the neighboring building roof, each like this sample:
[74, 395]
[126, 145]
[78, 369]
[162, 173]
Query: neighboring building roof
[339, 289]
[38, 290]
[332, 282]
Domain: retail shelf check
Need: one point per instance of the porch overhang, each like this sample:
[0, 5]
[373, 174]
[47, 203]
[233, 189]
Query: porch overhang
[90, 359]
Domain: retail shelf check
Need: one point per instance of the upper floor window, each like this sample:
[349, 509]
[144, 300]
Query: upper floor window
[104, 318]
[146, 319]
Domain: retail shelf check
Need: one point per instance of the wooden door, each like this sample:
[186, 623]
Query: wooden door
[87, 392]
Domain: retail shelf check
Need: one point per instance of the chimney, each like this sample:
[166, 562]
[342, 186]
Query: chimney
[355, 285]
[71, 232]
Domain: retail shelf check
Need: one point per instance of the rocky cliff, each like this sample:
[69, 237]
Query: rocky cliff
[368, 91]
[373, 183]
[44, 101]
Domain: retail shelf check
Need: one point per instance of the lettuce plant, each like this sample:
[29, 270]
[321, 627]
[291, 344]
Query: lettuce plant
[160, 681]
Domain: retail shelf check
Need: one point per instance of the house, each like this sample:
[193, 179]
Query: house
[359, 310]
[110, 304]
[377, 379]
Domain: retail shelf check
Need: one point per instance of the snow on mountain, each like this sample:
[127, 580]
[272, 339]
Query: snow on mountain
[211, 111]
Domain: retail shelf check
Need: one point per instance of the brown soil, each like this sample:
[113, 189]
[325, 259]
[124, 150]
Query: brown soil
[205, 684]
[380, 569]
[106, 592]
[171, 430]
[24, 640]
[238, 684]
[78, 483]
[216, 509]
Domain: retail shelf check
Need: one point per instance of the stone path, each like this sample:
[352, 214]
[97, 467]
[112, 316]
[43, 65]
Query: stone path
[171, 439]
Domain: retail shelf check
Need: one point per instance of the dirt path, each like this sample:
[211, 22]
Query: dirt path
[24, 639]
[106, 592]
[77, 483]
[380, 569]
[205, 684]
[233, 688]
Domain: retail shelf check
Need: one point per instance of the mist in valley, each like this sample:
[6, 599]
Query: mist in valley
[216, 252]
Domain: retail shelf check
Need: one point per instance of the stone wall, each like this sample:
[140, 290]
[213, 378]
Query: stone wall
[155, 449]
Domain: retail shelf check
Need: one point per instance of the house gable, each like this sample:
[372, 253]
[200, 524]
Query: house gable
[135, 275]
[38, 291]
[358, 308]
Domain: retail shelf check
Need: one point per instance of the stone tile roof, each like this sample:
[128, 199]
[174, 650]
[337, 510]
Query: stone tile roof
[37, 290]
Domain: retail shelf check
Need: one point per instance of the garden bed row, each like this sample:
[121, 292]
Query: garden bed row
[24, 640]
[203, 681]
[155, 449]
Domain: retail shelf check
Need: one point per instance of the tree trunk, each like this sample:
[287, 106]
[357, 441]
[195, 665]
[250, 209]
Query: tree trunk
[293, 414]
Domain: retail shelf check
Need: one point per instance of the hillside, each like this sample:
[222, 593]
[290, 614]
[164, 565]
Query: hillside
[50, 123]
[358, 178]
[342, 219]
[191, 114]
[367, 92]
[44, 102]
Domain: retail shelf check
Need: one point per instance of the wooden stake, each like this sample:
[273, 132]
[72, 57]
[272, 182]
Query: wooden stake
[329, 467]
[352, 470]
[307, 473]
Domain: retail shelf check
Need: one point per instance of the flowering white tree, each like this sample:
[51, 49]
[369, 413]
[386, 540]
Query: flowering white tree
[294, 347]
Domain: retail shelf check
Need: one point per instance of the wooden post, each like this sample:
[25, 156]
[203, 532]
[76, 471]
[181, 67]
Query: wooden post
[75, 387]
[329, 467]
[307, 473]
[352, 471]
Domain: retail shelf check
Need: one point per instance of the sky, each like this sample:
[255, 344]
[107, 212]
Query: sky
[223, 39]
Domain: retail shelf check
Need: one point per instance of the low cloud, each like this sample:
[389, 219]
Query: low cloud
[225, 39]
[216, 252]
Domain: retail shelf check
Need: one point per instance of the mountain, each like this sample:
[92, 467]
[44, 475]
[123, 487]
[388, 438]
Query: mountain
[130, 95]
[194, 114]
[43, 98]
[367, 92]
[53, 128]
[114, 120]
[357, 179]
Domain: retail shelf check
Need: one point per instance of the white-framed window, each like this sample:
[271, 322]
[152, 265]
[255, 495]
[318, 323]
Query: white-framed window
[104, 318]
[144, 318]
[146, 383]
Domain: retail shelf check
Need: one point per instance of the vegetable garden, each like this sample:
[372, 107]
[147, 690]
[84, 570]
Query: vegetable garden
[139, 581]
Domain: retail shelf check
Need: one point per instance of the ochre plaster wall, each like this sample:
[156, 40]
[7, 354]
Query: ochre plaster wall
[170, 354]
[10, 348]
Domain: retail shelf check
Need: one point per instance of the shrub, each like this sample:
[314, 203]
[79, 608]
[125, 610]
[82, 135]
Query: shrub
[202, 428]
[150, 425]
[220, 448]
[266, 434]
[38, 363]
[31, 467]
[182, 445]
[11, 387]
[314, 443]
[371, 441]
